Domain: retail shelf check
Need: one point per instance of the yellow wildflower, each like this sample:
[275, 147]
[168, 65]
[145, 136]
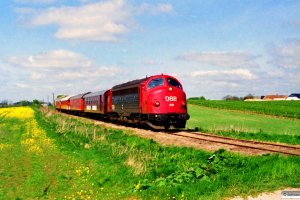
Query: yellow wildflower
[5, 146]
[17, 112]
[35, 138]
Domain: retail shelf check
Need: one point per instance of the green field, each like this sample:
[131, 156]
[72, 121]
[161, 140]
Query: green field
[290, 109]
[48, 156]
[244, 125]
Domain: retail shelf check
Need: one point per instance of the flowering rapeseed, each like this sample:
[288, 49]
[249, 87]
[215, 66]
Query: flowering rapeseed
[4, 146]
[34, 139]
[17, 112]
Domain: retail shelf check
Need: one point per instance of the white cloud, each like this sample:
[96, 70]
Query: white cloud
[36, 1]
[165, 8]
[154, 9]
[22, 85]
[276, 74]
[91, 74]
[51, 59]
[24, 10]
[287, 55]
[102, 21]
[151, 63]
[220, 58]
[36, 77]
[225, 74]
[61, 65]
[216, 88]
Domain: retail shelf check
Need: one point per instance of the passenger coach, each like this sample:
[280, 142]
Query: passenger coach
[98, 102]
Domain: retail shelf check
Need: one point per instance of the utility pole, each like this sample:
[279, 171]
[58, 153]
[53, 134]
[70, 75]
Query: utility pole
[48, 102]
[53, 99]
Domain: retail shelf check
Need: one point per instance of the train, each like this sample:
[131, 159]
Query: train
[157, 101]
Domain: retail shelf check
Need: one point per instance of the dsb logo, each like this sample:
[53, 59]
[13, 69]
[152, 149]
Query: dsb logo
[170, 98]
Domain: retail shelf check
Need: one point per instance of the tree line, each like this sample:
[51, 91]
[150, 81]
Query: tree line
[227, 97]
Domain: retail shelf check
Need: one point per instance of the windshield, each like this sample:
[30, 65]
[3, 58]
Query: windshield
[174, 83]
[155, 82]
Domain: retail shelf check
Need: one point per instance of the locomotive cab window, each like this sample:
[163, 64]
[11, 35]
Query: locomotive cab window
[155, 82]
[174, 83]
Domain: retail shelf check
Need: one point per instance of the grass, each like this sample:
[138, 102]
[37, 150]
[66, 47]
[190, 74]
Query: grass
[85, 161]
[289, 109]
[32, 165]
[244, 125]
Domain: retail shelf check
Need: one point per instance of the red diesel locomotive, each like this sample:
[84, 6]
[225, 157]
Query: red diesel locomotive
[158, 101]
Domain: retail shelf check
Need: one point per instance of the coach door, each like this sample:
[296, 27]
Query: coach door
[105, 102]
[143, 99]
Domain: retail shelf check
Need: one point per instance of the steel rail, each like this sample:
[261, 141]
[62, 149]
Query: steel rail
[247, 143]
[226, 140]
[250, 141]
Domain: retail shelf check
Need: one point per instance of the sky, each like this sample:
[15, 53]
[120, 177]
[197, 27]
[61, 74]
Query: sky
[214, 47]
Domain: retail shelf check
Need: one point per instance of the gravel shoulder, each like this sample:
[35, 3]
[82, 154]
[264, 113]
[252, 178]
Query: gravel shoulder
[166, 139]
[276, 195]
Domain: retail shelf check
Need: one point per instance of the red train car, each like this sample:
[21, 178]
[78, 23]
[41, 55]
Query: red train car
[63, 103]
[57, 104]
[157, 100]
[98, 102]
[77, 102]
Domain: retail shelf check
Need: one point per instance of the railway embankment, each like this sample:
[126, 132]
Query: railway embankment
[79, 158]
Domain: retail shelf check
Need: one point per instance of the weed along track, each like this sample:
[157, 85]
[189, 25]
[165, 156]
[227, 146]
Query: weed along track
[248, 144]
[204, 141]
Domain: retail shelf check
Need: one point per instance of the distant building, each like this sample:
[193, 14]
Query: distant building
[257, 99]
[294, 96]
[275, 97]
[253, 98]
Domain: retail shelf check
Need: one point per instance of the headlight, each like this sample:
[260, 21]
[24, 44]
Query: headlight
[156, 103]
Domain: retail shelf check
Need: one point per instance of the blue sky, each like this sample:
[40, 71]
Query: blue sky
[213, 47]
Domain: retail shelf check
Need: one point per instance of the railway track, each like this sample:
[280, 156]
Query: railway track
[263, 146]
[206, 141]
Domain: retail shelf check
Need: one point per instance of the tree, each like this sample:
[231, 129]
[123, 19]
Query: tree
[36, 102]
[23, 103]
[4, 103]
[231, 98]
[249, 96]
[60, 96]
[202, 98]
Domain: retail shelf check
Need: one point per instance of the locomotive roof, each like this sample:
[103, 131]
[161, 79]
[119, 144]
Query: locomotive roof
[93, 94]
[135, 83]
[130, 84]
[79, 96]
[295, 95]
[64, 98]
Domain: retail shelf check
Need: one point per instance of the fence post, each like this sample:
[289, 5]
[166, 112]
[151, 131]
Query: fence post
[94, 132]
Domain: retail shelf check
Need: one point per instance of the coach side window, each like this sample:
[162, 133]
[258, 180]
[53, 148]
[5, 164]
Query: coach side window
[155, 82]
